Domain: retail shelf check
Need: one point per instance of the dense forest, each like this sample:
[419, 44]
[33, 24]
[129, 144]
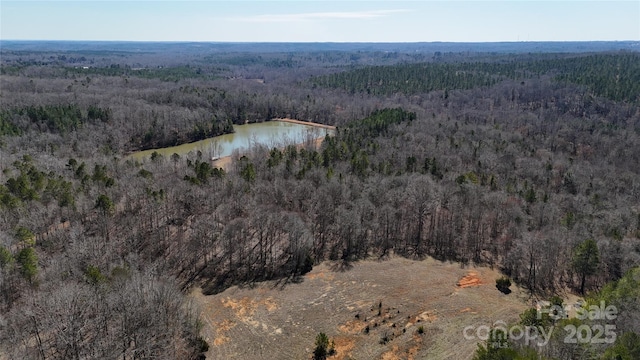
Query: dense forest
[527, 162]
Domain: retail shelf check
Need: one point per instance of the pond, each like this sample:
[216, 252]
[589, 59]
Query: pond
[277, 133]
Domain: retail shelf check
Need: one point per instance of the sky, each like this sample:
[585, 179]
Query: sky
[320, 21]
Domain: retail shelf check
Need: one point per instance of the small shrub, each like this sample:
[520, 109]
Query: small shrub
[202, 344]
[503, 284]
[556, 300]
[323, 347]
[145, 174]
[93, 274]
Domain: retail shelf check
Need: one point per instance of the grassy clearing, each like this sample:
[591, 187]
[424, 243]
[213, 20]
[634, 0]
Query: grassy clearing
[394, 309]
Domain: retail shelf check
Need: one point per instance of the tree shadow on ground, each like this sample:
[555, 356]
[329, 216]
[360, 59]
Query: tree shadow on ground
[341, 266]
[281, 283]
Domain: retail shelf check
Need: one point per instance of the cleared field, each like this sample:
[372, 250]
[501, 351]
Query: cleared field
[391, 299]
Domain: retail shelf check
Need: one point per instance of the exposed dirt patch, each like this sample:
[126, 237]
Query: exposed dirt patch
[343, 346]
[320, 275]
[245, 308]
[221, 329]
[424, 317]
[413, 351]
[468, 309]
[353, 327]
[222, 163]
[391, 309]
[306, 123]
[392, 354]
[471, 279]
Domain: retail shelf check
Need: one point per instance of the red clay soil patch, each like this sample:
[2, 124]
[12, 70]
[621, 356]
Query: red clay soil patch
[471, 279]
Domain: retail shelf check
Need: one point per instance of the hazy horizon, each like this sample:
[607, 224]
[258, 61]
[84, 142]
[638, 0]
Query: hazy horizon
[320, 21]
[312, 42]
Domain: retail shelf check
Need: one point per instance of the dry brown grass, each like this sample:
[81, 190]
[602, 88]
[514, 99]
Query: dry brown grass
[245, 307]
[342, 346]
[358, 309]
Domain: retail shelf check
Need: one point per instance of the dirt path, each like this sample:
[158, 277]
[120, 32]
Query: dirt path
[222, 162]
[371, 311]
[306, 123]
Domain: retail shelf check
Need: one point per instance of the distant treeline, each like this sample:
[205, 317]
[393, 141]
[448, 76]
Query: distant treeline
[530, 176]
[52, 118]
[174, 73]
[614, 76]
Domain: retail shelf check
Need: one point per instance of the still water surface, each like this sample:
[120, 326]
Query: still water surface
[270, 134]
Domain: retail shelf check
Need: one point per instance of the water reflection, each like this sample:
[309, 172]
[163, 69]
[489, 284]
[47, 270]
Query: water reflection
[271, 134]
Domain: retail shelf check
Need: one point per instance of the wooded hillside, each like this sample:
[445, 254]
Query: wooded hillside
[509, 161]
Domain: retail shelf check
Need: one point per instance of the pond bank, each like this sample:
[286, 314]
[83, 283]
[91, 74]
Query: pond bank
[276, 133]
[294, 121]
[225, 161]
